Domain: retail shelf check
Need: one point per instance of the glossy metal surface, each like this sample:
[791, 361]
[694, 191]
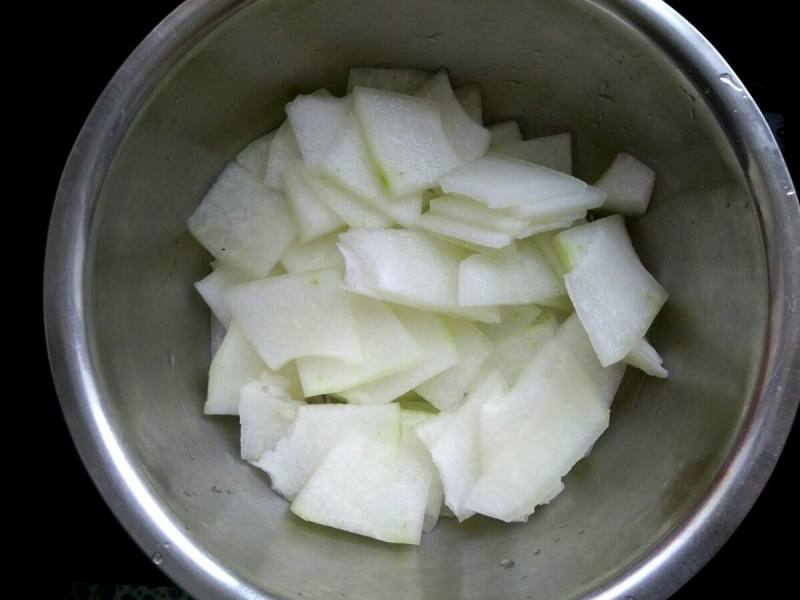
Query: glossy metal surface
[683, 460]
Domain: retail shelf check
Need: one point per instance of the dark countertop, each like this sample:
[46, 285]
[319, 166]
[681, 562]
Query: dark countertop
[84, 542]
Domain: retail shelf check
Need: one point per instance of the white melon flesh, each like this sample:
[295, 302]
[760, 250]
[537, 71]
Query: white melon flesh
[645, 357]
[266, 410]
[432, 335]
[235, 363]
[243, 223]
[433, 508]
[403, 81]
[283, 151]
[322, 253]
[572, 336]
[572, 245]
[316, 120]
[313, 217]
[534, 191]
[467, 137]
[504, 133]
[552, 151]
[614, 296]
[467, 210]
[407, 267]
[628, 184]
[295, 315]
[255, 155]
[350, 163]
[515, 275]
[531, 438]
[512, 319]
[457, 451]
[411, 419]
[355, 211]
[370, 487]
[511, 354]
[465, 232]
[448, 389]
[406, 138]
[213, 287]
[469, 96]
[560, 211]
[386, 345]
[317, 429]
[405, 210]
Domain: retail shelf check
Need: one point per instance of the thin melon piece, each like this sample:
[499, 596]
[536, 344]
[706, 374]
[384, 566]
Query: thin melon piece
[322, 253]
[514, 352]
[317, 429]
[432, 335]
[316, 120]
[349, 161]
[501, 182]
[368, 486]
[406, 138]
[407, 267]
[457, 451]
[531, 438]
[503, 134]
[552, 151]
[355, 211]
[313, 217]
[467, 210]
[448, 389]
[469, 96]
[386, 345]
[467, 137]
[645, 357]
[283, 151]
[403, 81]
[235, 363]
[554, 211]
[614, 296]
[515, 275]
[296, 315]
[411, 419]
[466, 232]
[628, 184]
[572, 336]
[512, 319]
[243, 223]
[213, 287]
[266, 410]
[254, 156]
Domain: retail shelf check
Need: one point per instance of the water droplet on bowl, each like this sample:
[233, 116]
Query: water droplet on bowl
[157, 558]
[216, 489]
[507, 563]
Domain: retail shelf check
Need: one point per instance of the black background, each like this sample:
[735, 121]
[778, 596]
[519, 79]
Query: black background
[59, 70]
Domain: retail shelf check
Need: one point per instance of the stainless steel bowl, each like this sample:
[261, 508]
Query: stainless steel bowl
[683, 460]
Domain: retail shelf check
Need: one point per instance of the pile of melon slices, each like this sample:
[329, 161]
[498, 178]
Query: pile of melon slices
[420, 313]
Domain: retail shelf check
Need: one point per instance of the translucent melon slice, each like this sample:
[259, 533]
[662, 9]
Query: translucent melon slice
[296, 315]
[448, 389]
[317, 429]
[243, 223]
[406, 138]
[370, 487]
[467, 137]
[386, 345]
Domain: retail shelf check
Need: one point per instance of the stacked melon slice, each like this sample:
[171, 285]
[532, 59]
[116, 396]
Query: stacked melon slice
[416, 311]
